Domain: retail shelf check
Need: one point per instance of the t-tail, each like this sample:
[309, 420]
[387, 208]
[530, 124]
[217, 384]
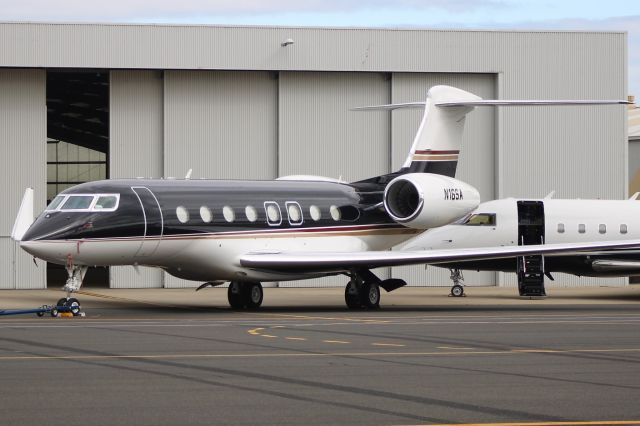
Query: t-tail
[438, 141]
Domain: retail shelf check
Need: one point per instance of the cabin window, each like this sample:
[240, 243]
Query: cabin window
[229, 214]
[183, 214]
[78, 202]
[561, 228]
[205, 214]
[602, 228]
[314, 212]
[55, 203]
[294, 212]
[480, 219]
[106, 202]
[623, 228]
[251, 213]
[274, 218]
[582, 228]
[335, 213]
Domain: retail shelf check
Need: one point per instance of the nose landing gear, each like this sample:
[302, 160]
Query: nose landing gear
[74, 282]
[457, 290]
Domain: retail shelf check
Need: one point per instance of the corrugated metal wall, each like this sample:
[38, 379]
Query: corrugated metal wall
[320, 135]
[23, 159]
[221, 125]
[136, 129]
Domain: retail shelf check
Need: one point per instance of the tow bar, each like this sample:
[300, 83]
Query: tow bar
[54, 311]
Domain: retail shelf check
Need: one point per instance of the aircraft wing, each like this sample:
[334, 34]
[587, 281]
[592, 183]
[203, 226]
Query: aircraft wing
[283, 261]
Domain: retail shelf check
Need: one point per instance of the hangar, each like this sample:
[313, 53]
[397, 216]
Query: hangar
[81, 102]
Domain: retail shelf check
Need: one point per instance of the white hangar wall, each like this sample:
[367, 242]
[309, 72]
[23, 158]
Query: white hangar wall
[231, 102]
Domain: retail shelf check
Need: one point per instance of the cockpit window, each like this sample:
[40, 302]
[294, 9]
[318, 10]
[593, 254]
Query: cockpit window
[479, 219]
[78, 202]
[106, 202]
[55, 203]
[85, 202]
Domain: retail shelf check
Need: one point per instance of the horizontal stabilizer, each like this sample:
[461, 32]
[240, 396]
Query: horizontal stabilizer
[490, 102]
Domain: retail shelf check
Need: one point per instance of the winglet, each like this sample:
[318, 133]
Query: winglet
[25, 216]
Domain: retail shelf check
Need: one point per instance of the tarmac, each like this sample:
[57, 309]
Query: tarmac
[174, 356]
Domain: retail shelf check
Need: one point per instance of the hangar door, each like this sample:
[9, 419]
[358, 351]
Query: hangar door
[320, 135]
[23, 132]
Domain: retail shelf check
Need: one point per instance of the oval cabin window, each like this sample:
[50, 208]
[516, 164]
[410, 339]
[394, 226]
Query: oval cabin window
[205, 214]
[314, 212]
[183, 214]
[561, 228]
[251, 213]
[273, 214]
[623, 228]
[602, 228]
[294, 212]
[582, 228]
[229, 214]
[335, 213]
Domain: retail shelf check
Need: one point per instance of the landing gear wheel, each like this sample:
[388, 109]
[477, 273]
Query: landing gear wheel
[54, 312]
[254, 295]
[74, 306]
[457, 290]
[235, 295]
[351, 296]
[370, 295]
[62, 302]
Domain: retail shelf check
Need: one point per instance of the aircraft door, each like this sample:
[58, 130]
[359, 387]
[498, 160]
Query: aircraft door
[530, 269]
[153, 221]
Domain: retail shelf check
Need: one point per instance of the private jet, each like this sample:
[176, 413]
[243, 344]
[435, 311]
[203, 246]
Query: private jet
[521, 222]
[297, 227]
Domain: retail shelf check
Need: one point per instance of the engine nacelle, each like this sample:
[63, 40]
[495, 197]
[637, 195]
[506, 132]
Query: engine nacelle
[425, 200]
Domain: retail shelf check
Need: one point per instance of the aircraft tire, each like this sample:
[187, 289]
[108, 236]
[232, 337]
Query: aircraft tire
[235, 295]
[370, 295]
[74, 306]
[457, 290]
[351, 296]
[62, 302]
[253, 295]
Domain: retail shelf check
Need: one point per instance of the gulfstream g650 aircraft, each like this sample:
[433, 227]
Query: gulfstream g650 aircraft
[292, 228]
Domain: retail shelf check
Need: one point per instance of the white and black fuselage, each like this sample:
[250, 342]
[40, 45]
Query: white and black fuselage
[196, 229]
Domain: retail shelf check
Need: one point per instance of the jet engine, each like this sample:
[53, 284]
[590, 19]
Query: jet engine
[425, 200]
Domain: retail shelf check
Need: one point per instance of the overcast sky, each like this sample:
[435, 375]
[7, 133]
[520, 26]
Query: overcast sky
[618, 15]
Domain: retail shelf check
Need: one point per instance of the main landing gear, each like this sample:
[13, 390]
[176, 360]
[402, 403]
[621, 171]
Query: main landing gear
[363, 290]
[457, 290]
[245, 294]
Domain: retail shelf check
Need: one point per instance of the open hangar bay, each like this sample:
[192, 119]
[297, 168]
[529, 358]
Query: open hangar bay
[86, 101]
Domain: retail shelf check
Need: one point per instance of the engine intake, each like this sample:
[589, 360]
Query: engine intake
[425, 200]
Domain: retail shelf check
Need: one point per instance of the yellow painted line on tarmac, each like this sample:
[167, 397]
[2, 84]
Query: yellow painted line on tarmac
[584, 423]
[388, 344]
[454, 347]
[255, 331]
[341, 342]
[296, 338]
[296, 355]
[270, 336]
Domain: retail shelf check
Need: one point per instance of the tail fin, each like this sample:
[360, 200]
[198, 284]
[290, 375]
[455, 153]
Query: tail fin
[437, 143]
